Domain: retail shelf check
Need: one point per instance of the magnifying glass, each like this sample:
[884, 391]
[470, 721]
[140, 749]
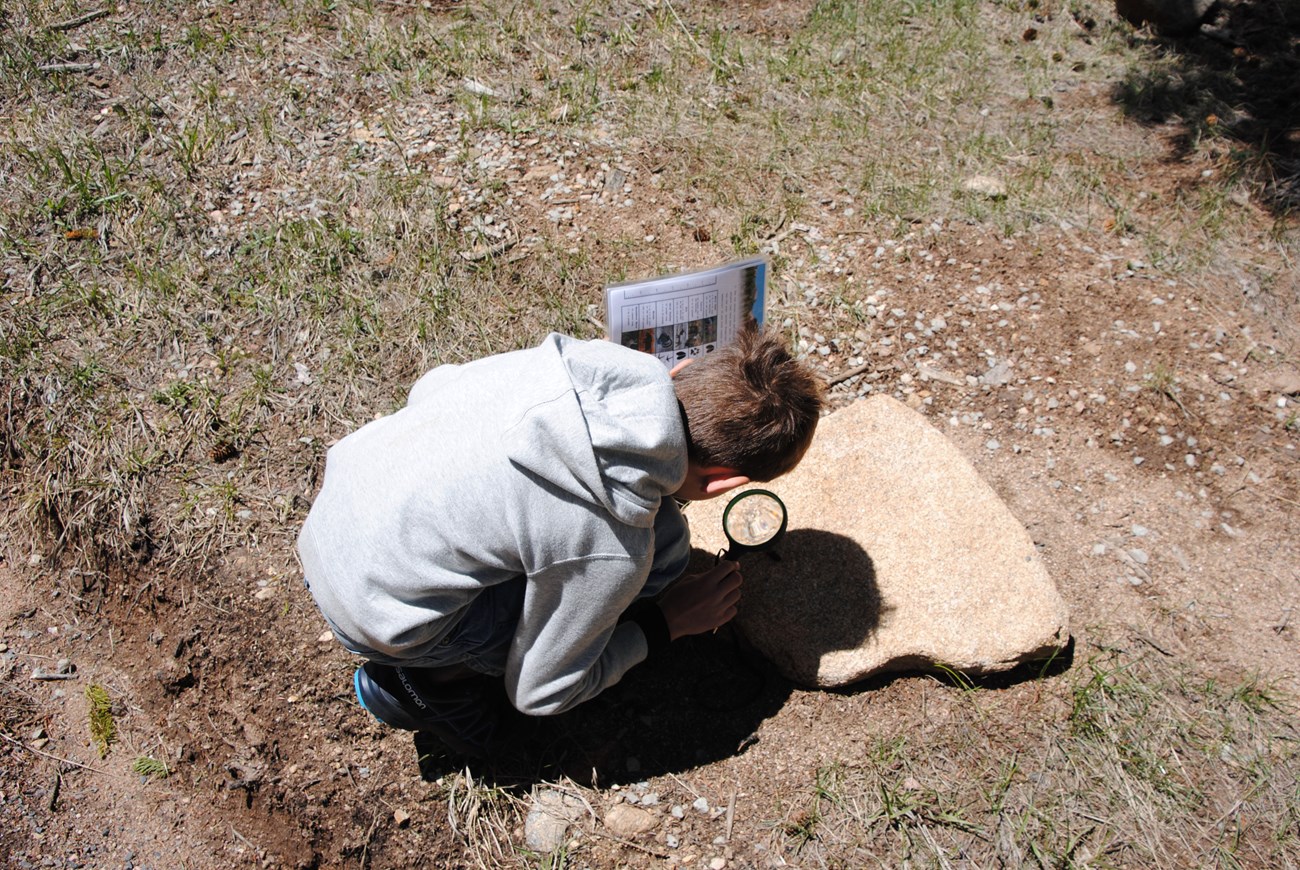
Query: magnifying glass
[753, 521]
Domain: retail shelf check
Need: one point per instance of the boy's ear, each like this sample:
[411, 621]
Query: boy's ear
[720, 479]
[672, 372]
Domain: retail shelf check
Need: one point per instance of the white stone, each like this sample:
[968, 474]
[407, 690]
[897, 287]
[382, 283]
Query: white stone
[993, 188]
[549, 818]
[624, 820]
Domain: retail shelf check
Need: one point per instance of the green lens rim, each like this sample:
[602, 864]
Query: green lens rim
[736, 546]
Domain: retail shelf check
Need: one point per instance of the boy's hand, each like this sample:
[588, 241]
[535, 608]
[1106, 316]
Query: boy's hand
[701, 602]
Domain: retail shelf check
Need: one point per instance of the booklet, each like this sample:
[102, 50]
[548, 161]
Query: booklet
[678, 317]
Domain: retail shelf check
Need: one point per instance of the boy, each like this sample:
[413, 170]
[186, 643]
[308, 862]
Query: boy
[518, 519]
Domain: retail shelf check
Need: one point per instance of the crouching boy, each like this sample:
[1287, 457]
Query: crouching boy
[517, 523]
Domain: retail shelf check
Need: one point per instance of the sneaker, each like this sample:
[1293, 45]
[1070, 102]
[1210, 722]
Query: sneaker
[464, 714]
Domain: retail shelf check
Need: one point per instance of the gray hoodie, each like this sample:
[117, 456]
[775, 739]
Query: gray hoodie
[550, 463]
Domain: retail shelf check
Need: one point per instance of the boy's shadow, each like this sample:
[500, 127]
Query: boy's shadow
[700, 701]
[705, 698]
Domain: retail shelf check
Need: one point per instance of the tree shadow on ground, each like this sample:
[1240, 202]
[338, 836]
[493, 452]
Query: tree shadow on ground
[1239, 77]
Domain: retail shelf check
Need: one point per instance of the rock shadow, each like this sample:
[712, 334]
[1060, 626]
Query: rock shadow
[816, 595]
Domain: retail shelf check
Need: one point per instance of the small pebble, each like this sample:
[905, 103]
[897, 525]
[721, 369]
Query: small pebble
[700, 805]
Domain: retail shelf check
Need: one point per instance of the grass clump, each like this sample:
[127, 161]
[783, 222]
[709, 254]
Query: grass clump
[103, 727]
[480, 816]
[1146, 765]
[149, 766]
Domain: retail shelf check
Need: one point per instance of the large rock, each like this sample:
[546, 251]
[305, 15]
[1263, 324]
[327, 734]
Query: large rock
[898, 556]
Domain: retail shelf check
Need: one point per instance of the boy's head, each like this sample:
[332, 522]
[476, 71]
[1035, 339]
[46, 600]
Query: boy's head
[750, 407]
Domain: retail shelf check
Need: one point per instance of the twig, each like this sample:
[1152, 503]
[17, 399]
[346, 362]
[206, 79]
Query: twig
[731, 813]
[483, 253]
[65, 67]
[54, 757]
[347, 768]
[370, 836]
[247, 841]
[621, 841]
[684, 785]
[1151, 643]
[38, 674]
[54, 792]
[74, 23]
[845, 375]
[1285, 500]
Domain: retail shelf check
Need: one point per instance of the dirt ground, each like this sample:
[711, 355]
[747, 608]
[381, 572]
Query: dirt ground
[1146, 435]
[281, 766]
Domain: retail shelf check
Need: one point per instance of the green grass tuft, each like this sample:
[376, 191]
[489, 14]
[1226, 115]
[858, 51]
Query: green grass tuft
[149, 766]
[103, 727]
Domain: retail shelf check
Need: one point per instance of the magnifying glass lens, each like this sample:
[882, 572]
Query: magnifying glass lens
[754, 519]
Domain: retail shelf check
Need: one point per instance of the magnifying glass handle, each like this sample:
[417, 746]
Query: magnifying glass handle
[722, 554]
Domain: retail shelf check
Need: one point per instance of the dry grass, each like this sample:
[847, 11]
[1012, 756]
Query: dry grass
[250, 229]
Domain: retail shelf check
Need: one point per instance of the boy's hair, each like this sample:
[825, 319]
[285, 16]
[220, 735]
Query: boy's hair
[750, 406]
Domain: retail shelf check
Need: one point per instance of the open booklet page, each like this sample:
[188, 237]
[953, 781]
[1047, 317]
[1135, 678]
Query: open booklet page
[676, 317]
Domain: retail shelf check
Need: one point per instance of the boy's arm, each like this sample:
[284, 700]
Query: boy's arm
[702, 602]
[569, 645]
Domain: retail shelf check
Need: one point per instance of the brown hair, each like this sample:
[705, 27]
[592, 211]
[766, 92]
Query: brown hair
[750, 406]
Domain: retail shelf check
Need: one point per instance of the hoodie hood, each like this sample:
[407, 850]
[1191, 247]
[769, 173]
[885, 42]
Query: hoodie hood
[605, 427]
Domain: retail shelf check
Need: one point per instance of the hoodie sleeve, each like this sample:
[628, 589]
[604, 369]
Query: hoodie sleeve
[431, 383]
[569, 645]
